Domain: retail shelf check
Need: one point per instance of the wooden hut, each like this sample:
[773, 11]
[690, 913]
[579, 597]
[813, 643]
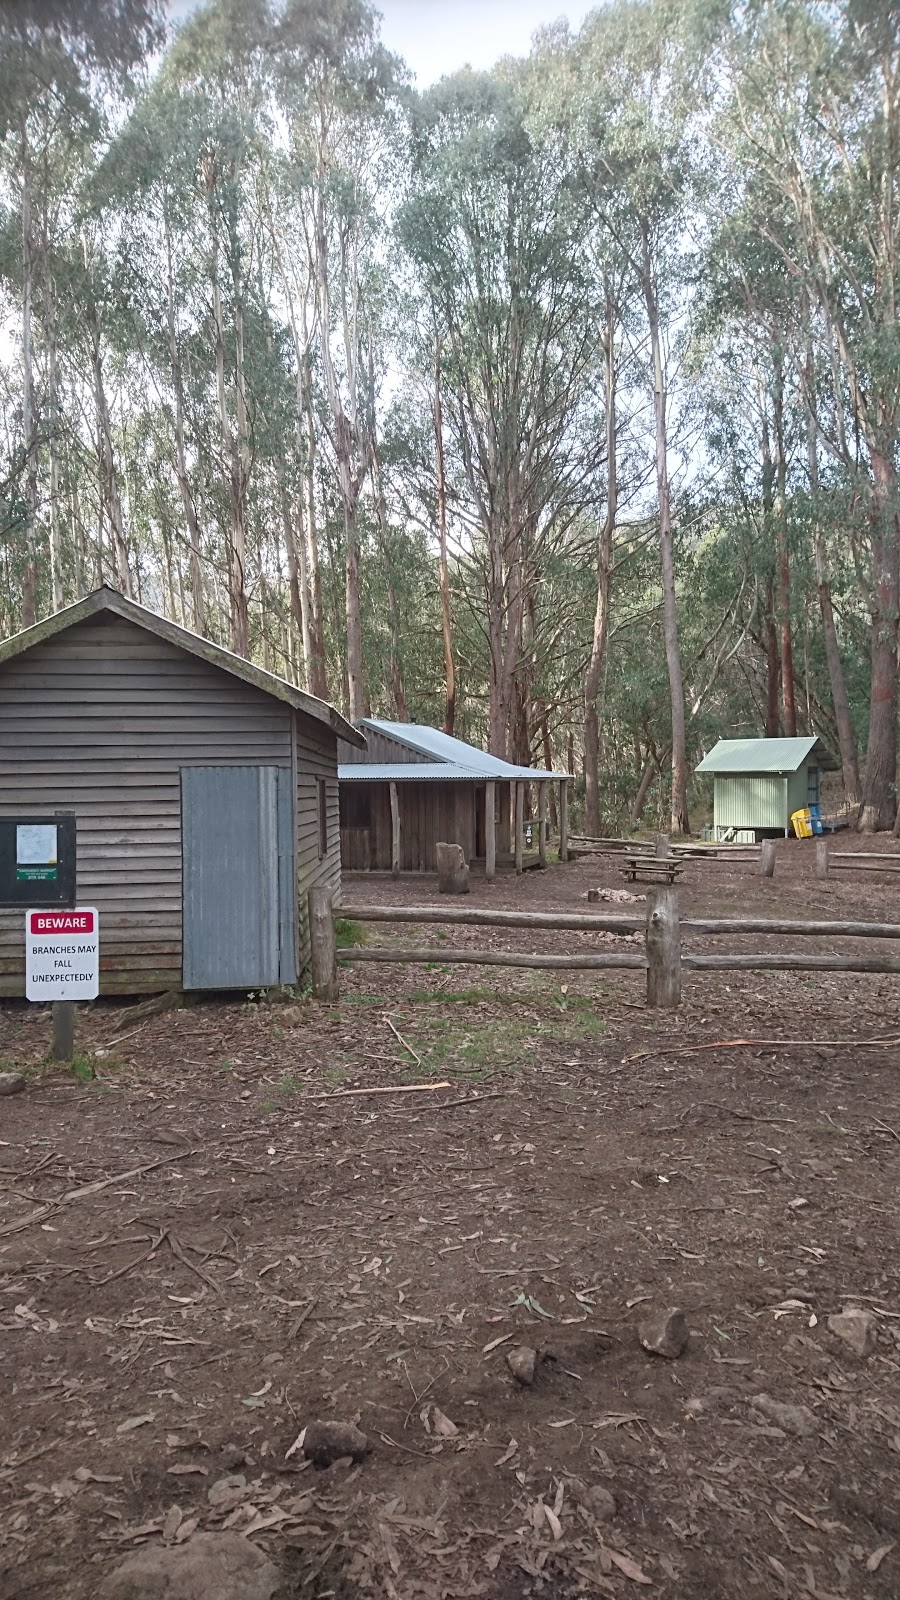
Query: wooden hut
[204, 793]
[414, 786]
[758, 784]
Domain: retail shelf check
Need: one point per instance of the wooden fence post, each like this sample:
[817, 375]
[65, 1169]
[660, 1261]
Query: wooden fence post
[395, 831]
[663, 948]
[821, 858]
[63, 1016]
[542, 824]
[520, 824]
[766, 868]
[662, 846]
[322, 946]
[490, 831]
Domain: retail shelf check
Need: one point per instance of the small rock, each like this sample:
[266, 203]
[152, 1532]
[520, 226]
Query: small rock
[227, 1491]
[856, 1328]
[521, 1360]
[664, 1334]
[233, 1457]
[210, 1566]
[793, 1419]
[597, 1501]
[11, 1082]
[327, 1442]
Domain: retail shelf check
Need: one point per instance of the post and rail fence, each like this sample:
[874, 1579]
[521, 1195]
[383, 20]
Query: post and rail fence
[663, 958]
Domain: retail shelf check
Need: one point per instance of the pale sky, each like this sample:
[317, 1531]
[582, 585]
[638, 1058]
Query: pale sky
[436, 37]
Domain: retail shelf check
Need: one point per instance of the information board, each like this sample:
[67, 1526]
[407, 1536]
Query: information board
[62, 954]
[37, 860]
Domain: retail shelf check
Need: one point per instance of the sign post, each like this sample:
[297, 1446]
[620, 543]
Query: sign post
[62, 965]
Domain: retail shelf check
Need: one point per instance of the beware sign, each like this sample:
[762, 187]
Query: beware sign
[62, 954]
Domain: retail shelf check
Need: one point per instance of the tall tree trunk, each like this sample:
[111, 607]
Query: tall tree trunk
[350, 455]
[443, 569]
[398, 688]
[29, 417]
[56, 565]
[298, 587]
[839, 697]
[680, 822]
[786, 644]
[879, 802]
[112, 495]
[318, 678]
[188, 504]
[236, 545]
[773, 665]
[593, 680]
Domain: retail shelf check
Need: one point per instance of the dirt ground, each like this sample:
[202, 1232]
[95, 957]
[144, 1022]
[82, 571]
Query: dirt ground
[209, 1244]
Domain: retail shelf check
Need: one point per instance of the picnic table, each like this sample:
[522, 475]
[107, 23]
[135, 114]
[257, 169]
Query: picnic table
[644, 868]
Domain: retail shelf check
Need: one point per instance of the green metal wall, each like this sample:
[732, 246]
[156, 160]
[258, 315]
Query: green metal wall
[752, 801]
[757, 800]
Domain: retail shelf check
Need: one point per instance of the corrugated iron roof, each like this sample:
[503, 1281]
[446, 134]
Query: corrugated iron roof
[766, 755]
[457, 758]
[433, 772]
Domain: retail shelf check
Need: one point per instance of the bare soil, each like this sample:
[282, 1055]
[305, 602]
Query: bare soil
[261, 1255]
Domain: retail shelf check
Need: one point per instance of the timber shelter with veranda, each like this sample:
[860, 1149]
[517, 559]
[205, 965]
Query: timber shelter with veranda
[204, 791]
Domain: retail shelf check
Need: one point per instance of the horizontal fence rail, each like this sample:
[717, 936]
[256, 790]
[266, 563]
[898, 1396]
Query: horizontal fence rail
[662, 958]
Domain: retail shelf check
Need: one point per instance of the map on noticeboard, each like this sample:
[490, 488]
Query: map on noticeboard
[37, 852]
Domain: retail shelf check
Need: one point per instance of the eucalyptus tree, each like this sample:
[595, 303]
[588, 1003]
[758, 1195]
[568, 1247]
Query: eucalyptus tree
[55, 58]
[630, 125]
[336, 86]
[814, 123]
[493, 237]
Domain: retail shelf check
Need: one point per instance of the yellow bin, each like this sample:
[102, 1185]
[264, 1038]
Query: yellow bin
[802, 823]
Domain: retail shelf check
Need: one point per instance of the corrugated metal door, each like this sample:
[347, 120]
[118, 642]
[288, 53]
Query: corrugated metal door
[237, 877]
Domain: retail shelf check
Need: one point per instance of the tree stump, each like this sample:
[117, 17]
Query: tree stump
[453, 869]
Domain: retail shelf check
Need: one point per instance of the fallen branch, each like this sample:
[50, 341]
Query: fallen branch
[93, 1188]
[394, 1088]
[767, 1044]
[201, 1272]
[473, 1099]
[408, 1047]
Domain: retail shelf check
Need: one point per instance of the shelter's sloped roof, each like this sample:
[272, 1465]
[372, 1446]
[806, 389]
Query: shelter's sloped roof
[407, 771]
[766, 755]
[109, 600]
[454, 757]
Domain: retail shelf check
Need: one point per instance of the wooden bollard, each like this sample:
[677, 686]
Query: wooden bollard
[766, 868]
[663, 948]
[62, 1047]
[821, 858]
[662, 846]
[323, 956]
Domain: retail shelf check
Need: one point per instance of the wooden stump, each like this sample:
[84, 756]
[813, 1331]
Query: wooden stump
[453, 869]
[821, 858]
[323, 956]
[663, 948]
[63, 1015]
[766, 868]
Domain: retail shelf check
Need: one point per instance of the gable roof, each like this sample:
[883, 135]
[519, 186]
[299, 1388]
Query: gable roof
[766, 755]
[446, 758]
[109, 600]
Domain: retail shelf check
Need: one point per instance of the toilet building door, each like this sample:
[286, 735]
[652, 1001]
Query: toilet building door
[239, 899]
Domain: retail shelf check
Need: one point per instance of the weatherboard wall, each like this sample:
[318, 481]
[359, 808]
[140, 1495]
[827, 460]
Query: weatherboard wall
[99, 720]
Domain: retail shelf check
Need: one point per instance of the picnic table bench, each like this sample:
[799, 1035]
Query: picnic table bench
[651, 869]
